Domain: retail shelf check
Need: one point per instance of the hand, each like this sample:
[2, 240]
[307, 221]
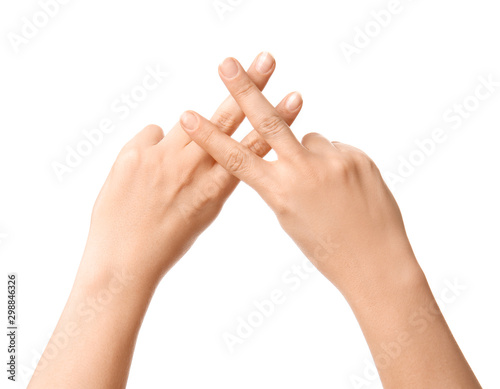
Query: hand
[328, 196]
[163, 191]
[331, 199]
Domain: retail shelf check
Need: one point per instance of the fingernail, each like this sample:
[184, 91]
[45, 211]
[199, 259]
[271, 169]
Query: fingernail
[229, 68]
[264, 63]
[294, 101]
[189, 121]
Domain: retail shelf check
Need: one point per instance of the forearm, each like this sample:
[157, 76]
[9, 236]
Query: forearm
[408, 337]
[93, 342]
[333, 202]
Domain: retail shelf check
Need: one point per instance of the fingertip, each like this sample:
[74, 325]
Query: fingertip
[265, 62]
[294, 101]
[189, 121]
[229, 68]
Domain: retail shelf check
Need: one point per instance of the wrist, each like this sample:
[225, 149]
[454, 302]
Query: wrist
[103, 295]
[385, 279]
[390, 301]
[148, 256]
[115, 272]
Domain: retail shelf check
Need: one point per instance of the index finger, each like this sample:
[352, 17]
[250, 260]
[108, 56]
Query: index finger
[259, 111]
[229, 115]
[230, 154]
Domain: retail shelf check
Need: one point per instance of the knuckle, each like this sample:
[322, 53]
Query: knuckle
[226, 122]
[244, 90]
[153, 128]
[154, 131]
[206, 136]
[362, 160]
[212, 194]
[129, 158]
[308, 140]
[370, 166]
[343, 167]
[258, 146]
[236, 161]
[280, 203]
[367, 161]
[308, 137]
[280, 207]
[207, 197]
[271, 126]
[356, 158]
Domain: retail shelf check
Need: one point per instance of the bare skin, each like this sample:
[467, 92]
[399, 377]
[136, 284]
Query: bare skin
[161, 193]
[332, 201]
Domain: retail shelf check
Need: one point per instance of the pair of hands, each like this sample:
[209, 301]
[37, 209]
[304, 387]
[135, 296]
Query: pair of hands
[163, 191]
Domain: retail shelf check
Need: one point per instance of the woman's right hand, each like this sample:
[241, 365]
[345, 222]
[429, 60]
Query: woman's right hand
[328, 196]
[331, 199]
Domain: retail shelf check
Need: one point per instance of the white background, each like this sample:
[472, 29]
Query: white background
[394, 92]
